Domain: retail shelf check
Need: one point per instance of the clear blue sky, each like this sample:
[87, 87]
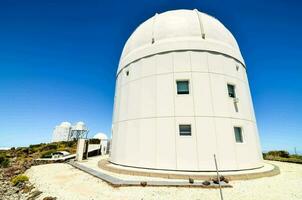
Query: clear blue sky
[58, 61]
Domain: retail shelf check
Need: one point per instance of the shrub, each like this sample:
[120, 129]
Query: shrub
[296, 156]
[50, 147]
[282, 154]
[25, 150]
[19, 179]
[4, 161]
[36, 145]
[68, 143]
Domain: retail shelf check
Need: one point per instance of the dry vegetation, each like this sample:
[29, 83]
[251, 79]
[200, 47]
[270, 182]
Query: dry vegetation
[17, 160]
[283, 156]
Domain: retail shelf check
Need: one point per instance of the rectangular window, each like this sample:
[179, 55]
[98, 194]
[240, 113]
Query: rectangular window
[185, 130]
[182, 87]
[231, 91]
[238, 134]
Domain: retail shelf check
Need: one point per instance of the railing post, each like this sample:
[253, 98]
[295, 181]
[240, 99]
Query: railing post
[218, 178]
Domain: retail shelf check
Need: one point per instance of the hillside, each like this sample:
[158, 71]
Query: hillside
[15, 161]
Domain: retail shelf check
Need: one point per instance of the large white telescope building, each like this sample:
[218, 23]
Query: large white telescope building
[182, 95]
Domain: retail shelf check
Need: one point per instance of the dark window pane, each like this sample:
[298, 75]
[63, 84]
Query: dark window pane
[185, 130]
[231, 90]
[182, 87]
[238, 134]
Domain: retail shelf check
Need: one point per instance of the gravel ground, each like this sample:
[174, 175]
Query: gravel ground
[67, 183]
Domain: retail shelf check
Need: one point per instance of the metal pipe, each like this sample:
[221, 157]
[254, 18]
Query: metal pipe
[218, 178]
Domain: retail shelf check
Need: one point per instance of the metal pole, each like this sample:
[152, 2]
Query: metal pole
[295, 151]
[218, 178]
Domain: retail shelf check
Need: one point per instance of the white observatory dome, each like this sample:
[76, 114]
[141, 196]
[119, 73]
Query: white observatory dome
[61, 132]
[182, 95]
[100, 136]
[80, 126]
[179, 29]
[65, 124]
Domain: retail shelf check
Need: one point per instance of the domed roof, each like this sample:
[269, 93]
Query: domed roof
[80, 126]
[179, 30]
[65, 124]
[101, 136]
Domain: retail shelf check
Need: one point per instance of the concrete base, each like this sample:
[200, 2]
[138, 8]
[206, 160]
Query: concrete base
[90, 166]
[266, 171]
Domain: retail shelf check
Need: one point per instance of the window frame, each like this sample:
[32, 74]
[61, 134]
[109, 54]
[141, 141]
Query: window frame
[182, 80]
[234, 90]
[185, 133]
[241, 134]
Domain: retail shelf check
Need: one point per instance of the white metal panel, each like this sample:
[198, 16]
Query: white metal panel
[132, 151]
[147, 97]
[166, 147]
[148, 66]
[164, 63]
[135, 70]
[134, 102]
[226, 151]
[206, 142]
[147, 143]
[202, 94]
[123, 109]
[220, 95]
[216, 62]
[181, 62]
[165, 95]
[199, 61]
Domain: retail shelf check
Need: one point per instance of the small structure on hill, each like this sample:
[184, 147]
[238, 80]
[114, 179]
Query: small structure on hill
[60, 154]
[104, 142]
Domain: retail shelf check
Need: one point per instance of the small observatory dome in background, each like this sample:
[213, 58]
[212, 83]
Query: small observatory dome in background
[65, 124]
[182, 95]
[100, 136]
[80, 126]
[61, 132]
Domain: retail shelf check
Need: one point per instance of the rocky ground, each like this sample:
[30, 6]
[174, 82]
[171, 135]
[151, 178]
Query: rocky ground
[24, 190]
[21, 191]
[16, 161]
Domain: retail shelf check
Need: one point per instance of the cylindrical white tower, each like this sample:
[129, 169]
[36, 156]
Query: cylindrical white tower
[182, 95]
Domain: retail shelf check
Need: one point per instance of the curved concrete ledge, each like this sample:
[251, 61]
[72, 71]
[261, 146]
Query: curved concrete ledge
[266, 171]
[119, 182]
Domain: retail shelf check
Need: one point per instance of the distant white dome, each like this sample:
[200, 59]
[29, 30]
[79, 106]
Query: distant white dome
[80, 126]
[65, 124]
[100, 136]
